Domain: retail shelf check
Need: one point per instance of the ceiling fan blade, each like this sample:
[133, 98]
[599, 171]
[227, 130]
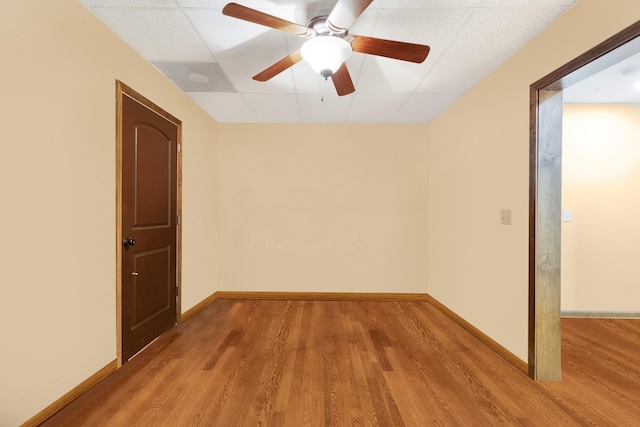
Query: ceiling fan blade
[345, 13]
[278, 67]
[236, 10]
[342, 81]
[391, 49]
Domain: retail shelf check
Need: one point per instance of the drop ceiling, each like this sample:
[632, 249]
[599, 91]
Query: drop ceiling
[213, 57]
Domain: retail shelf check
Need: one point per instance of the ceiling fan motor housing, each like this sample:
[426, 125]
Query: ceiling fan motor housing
[322, 27]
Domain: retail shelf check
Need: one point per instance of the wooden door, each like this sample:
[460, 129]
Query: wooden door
[149, 150]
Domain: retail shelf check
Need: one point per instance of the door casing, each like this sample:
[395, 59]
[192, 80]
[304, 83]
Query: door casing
[121, 91]
[545, 195]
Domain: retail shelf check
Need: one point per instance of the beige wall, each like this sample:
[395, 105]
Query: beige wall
[316, 208]
[57, 178]
[478, 165]
[366, 190]
[600, 185]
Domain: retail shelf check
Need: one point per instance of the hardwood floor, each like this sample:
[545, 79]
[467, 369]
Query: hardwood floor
[331, 363]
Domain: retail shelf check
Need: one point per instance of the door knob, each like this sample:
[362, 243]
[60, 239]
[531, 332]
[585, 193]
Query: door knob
[128, 241]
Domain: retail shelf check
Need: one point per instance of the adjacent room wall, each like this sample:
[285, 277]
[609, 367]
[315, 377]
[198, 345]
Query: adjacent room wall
[600, 185]
[57, 170]
[317, 208]
[479, 165]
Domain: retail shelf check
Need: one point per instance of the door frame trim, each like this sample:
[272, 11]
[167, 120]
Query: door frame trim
[121, 91]
[545, 195]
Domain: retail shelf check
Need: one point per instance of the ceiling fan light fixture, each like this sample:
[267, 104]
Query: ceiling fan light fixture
[326, 54]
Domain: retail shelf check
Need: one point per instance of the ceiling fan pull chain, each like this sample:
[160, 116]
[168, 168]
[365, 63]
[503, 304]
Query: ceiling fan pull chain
[322, 93]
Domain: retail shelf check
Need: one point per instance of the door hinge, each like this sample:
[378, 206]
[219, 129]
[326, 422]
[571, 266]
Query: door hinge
[179, 147]
[178, 219]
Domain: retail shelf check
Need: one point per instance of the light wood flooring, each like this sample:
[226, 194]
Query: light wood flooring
[334, 363]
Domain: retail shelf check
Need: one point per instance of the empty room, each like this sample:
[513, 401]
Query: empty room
[374, 242]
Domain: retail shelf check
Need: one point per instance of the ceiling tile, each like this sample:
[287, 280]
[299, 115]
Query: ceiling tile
[197, 76]
[267, 6]
[424, 107]
[224, 107]
[222, 32]
[489, 38]
[333, 109]
[428, 4]
[157, 34]
[243, 49]
[435, 28]
[534, 3]
[211, 4]
[366, 23]
[384, 75]
[375, 108]
[305, 10]
[129, 3]
[424, 26]
[273, 108]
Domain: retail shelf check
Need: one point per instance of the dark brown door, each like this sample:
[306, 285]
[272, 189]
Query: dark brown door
[149, 216]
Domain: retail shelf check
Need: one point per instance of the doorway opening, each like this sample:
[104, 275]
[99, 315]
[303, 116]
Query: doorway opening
[148, 226]
[545, 195]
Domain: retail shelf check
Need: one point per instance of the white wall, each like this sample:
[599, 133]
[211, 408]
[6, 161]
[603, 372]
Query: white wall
[600, 185]
[317, 208]
[57, 183]
[479, 164]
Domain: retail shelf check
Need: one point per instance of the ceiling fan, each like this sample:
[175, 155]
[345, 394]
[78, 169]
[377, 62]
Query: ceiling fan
[329, 43]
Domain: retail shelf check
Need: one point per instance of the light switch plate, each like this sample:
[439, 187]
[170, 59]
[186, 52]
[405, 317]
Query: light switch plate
[505, 217]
